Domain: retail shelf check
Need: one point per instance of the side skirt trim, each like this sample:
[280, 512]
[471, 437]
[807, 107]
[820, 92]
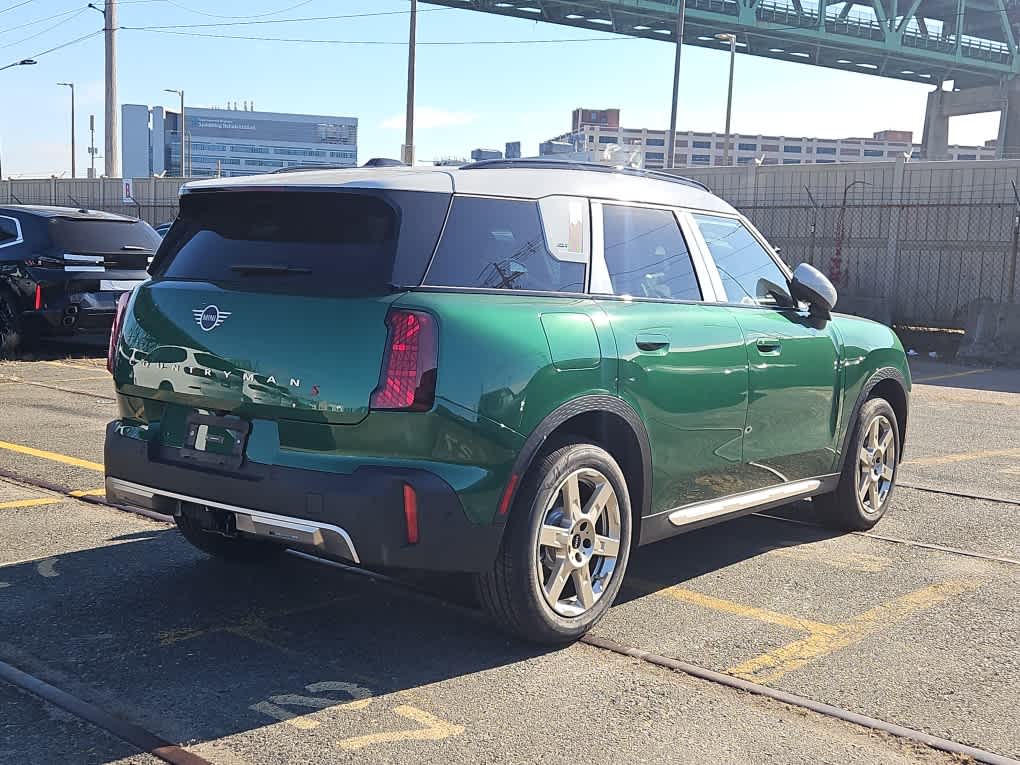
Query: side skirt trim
[751, 500]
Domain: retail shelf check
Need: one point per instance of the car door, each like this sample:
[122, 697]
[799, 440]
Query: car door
[794, 357]
[682, 363]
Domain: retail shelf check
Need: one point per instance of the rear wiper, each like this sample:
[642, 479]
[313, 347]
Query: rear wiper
[260, 269]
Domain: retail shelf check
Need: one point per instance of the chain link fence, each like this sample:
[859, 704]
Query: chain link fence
[918, 242]
[912, 243]
[926, 262]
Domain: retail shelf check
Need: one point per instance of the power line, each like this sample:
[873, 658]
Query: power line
[67, 44]
[289, 21]
[38, 21]
[251, 16]
[619, 38]
[44, 31]
[16, 5]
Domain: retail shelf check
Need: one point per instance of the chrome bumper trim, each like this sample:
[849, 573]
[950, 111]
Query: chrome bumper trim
[280, 528]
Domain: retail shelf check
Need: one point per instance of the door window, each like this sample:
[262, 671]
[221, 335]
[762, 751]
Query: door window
[749, 274]
[646, 254]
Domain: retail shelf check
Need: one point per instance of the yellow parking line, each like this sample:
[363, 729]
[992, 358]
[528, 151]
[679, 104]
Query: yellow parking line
[52, 456]
[751, 612]
[28, 503]
[772, 665]
[948, 459]
[951, 375]
[100, 492]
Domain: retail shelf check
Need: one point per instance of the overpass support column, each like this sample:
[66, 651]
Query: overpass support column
[1009, 122]
[935, 143]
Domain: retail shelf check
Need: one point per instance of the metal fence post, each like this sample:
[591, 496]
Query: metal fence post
[1016, 245]
[892, 243]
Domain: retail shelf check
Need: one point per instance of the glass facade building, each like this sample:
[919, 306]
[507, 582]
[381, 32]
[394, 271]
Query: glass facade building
[230, 142]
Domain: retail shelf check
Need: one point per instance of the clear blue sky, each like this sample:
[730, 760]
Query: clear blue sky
[467, 95]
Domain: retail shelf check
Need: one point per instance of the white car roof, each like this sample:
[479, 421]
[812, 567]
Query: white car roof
[521, 182]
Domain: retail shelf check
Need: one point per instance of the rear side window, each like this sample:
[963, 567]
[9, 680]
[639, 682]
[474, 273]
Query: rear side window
[9, 231]
[84, 235]
[316, 243]
[500, 244]
[646, 254]
[749, 275]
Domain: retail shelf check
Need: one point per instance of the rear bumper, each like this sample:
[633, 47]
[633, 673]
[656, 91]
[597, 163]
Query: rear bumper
[357, 517]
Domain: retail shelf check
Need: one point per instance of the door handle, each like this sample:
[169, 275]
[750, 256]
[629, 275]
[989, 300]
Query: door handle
[648, 341]
[770, 345]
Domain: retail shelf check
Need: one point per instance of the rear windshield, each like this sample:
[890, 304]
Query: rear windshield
[102, 236]
[322, 243]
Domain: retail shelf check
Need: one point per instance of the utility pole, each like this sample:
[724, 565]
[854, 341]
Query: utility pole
[111, 137]
[93, 151]
[408, 152]
[732, 40]
[671, 149]
[184, 171]
[73, 166]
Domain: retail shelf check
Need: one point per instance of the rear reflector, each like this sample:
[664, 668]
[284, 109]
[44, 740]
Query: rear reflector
[508, 494]
[411, 514]
[38, 297]
[118, 324]
[408, 377]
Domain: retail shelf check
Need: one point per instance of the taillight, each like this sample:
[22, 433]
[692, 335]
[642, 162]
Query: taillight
[408, 377]
[118, 323]
[38, 298]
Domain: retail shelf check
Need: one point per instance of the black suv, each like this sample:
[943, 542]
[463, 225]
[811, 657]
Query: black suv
[62, 270]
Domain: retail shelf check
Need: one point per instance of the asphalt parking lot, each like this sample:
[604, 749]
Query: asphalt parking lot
[917, 624]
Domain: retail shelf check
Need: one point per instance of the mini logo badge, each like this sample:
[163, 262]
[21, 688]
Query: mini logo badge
[210, 317]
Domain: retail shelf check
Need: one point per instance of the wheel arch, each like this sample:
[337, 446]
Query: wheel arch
[608, 422]
[888, 383]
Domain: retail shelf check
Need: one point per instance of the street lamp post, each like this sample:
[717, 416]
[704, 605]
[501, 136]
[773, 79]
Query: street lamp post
[71, 86]
[23, 62]
[671, 148]
[732, 40]
[181, 126]
[408, 152]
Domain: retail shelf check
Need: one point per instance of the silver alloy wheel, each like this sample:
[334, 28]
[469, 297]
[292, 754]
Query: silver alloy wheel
[877, 464]
[578, 542]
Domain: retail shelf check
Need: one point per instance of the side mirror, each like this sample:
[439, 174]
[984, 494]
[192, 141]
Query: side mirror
[813, 287]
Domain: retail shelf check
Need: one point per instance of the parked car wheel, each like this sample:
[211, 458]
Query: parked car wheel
[232, 549]
[565, 549]
[869, 475]
[12, 331]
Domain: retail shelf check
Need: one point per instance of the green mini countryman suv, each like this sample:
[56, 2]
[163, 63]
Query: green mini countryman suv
[521, 371]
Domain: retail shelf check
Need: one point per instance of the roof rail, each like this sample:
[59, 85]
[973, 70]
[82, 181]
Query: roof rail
[562, 164]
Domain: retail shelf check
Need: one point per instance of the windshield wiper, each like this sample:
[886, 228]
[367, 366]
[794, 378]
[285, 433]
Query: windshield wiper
[136, 248]
[261, 269]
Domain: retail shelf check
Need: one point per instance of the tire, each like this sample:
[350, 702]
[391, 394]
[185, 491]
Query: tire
[231, 549]
[549, 584]
[11, 330]
[869, 474]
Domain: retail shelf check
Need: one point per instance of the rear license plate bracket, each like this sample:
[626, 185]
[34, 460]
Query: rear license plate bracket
[215, 440]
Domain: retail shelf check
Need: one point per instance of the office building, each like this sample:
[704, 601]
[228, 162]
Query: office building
[642, 147]
[513, 150]
[232, 141]
[477, 155]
